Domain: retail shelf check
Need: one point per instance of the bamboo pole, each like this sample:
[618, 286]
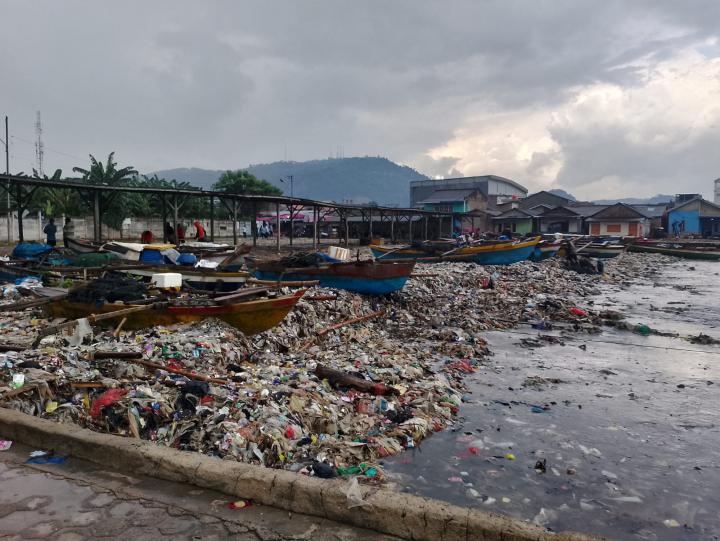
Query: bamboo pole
[339, 325]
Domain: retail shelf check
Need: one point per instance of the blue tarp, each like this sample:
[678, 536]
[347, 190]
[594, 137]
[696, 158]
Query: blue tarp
[31, 250]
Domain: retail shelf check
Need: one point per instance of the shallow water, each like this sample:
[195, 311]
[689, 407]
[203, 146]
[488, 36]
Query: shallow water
[642, 452]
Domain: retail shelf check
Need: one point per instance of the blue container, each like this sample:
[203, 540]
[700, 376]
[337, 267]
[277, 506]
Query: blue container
[186, 259]
[151, 256]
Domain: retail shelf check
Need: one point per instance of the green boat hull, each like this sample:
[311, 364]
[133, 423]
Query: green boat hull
[677, 252]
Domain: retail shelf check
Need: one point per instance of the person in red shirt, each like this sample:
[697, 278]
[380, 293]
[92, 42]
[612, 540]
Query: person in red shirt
[180, 233]
[200, 235]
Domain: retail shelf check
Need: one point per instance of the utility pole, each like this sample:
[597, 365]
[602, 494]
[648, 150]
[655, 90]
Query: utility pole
[7, 171]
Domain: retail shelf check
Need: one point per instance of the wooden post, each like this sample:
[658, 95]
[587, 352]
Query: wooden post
[212, 218]
[96, 216]
[392, 229]
[234, 219]
[163, 206]
[410, 221]
[292, 222]
[316, 217]
[347, 232]
[426, 227]
[253, 225]
[371, 226]
[277, 226]
[18, 200]
[175, 216]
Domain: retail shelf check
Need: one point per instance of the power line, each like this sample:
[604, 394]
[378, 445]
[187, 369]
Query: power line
[46, 148]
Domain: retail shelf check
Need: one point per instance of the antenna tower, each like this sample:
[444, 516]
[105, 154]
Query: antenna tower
[39, 146]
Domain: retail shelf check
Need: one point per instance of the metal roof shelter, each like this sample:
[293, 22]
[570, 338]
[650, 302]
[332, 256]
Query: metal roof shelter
[22, 189]
[447, 196]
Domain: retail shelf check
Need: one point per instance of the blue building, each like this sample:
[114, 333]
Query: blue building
[694, 217]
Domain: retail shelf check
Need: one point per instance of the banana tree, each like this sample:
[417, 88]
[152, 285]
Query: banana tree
[113, 205]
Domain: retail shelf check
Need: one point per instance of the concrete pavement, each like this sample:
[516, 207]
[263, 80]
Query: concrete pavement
[78, 500]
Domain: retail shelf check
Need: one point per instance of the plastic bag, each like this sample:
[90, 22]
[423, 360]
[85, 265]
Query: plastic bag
[354, 495]
[82, 330]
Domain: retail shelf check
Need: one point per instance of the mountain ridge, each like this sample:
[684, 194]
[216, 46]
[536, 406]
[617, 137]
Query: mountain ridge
[358, 179]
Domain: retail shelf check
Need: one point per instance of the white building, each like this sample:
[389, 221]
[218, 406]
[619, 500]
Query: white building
[717, 191]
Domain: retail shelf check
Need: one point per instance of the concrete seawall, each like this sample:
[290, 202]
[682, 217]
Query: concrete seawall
[410, 517]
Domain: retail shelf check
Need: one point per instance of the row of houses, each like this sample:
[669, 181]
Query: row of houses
[492, 203]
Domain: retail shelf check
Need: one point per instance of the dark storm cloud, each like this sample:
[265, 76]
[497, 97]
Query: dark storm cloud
[224, 84]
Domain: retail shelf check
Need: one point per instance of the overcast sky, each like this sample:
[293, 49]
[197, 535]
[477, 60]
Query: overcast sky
[601, 98]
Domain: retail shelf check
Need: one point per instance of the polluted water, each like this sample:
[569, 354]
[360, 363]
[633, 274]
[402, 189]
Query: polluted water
[612, 433]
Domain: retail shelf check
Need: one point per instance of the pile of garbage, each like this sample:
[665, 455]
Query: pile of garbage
[331, 391]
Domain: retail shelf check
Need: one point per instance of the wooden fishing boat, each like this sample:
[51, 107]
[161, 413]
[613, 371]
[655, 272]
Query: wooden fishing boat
[601, 250]
[367, 277]
[545, 250]
[250, 316]
[197, 278]
[678, 250]
[487, 253]
[224, 256]
[81, 246]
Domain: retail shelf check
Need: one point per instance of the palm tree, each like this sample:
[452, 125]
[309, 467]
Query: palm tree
[112, 204]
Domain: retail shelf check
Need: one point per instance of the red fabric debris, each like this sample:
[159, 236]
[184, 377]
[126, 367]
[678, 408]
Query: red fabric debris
[108, 398]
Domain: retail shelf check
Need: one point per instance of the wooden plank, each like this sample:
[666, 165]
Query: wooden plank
[245, 293]
[281, 283]
[92, 318]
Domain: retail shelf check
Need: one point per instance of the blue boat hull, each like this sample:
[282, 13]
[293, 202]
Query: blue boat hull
[504, 257]
[542, 255]
[364, 286]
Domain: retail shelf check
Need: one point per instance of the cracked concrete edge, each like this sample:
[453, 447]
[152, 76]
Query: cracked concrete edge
[410, 517]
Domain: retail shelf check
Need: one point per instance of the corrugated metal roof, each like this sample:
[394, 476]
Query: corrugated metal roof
[651, 211]
[447, 196]
[618, 211]
[586, 210]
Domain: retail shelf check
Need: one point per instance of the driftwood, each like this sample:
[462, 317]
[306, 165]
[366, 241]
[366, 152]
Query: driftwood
[22, 305]
[14, 347]
[97, 355]
[344, 323]
[337, 378]
[16, 392]
[135, 358]
[92, 318]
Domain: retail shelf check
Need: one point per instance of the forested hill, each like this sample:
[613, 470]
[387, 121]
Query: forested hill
[360, 180]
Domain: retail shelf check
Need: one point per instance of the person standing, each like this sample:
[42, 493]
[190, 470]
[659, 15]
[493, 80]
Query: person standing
[200, 231]
[169, 233]
[180, 233]
[68, 229]
[244, 231]
[51, 230]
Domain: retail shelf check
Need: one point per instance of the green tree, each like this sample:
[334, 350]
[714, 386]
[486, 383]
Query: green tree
[54, 201]
[244, 183]
[196, 207]
[115, 206]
